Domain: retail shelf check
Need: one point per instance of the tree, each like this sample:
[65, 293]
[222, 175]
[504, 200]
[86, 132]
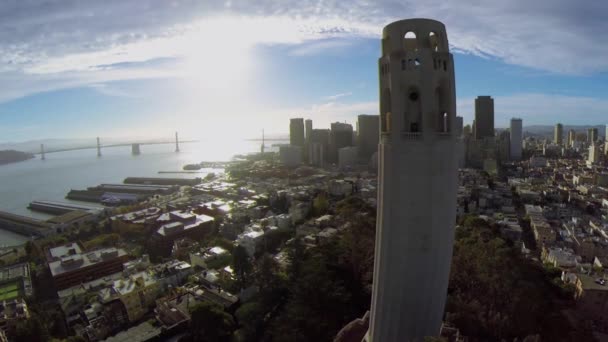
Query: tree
[241, 265]
[31, 330]
[210, 323]
[269, 281]
[320, 205]
[250, 316]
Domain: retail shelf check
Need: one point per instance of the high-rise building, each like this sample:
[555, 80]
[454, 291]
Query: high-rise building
[319, 146]
[516, 138]
[558, 134]
[368, 134]
[296, 132]
[484, 117]
[341, 135]
[458, 126]
[571, 137]
[591, 135]
[594, 154]
[417, 181]
[308, 130]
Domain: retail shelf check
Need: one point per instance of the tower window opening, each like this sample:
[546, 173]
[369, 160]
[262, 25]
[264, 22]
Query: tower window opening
[445, 66]
[445, 125]
[434, 64]
[413, 96]
[411, 42]
[403, 64]
[434, 41]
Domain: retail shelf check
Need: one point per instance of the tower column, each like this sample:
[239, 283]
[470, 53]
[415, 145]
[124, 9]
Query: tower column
[417, 182]
[98, 148]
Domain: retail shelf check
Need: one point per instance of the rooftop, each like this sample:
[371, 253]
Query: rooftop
[74, 261]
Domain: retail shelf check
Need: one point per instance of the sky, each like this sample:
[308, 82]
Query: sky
[218, 69]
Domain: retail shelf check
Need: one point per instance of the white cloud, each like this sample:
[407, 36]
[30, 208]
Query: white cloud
[337, 96]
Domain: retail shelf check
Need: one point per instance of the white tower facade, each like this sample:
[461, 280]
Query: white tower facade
[417, 170]
[516, 138]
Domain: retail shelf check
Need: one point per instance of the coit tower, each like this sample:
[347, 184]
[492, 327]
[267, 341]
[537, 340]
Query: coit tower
[417, 170]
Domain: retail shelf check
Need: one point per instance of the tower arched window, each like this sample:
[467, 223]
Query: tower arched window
[411, 41]
[434, 41]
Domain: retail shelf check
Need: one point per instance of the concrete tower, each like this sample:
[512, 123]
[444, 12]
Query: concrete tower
[176, 143]
[42, 152]
[484, 117]
[98, 147]
[417, 172]
[516, 138]
[558, 134]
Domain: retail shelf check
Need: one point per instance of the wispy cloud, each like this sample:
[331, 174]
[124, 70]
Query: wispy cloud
[51, 45]
[337, 96]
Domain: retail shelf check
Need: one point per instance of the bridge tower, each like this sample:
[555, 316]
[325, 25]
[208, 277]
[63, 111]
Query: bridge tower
[135, 149]
[98, 148]
[42, 157]
[417, 182]
[176, 143]
[262, 147]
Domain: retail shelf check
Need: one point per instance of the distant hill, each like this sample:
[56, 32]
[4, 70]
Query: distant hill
[12, 156]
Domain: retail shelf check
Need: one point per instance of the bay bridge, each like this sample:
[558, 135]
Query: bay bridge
[135, 147]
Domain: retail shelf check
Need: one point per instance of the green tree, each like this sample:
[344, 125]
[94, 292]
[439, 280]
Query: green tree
[250, 317]
[241, 264]
[31, 330]
[320, 205]
[210, 323]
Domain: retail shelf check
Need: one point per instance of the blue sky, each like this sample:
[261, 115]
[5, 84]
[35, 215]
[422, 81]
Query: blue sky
[78, 69]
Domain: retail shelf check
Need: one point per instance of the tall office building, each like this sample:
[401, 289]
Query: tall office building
[516, 138]
[296, 132]
[591, 135]
[308, 130]
[571, 137]
[458, 126]
[368, 135]
[417, 181]
[341, 135]
[558, 134]
[484, 117]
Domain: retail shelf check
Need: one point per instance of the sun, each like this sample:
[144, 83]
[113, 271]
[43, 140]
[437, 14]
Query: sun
[217, 61]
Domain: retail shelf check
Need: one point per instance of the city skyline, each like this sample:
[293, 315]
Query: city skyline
[153, 75]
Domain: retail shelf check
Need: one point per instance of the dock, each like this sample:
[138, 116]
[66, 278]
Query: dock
[24, 225]
[162, 181]
[60, 208]
[146, 189]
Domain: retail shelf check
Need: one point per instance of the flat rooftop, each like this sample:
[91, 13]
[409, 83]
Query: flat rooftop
[200, 219]
[70, 263]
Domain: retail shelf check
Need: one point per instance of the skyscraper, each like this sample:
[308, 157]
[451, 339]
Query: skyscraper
[516, 138]
[591, 135]
[368, 134]
[308, 130]
[458, 126]
[341, 135]
[296, 132]
[484, 117]
[558, 134]
[417, 174]
[571, 137]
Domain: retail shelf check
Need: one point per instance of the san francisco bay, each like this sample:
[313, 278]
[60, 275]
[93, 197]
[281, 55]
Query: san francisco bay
[52, 178]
